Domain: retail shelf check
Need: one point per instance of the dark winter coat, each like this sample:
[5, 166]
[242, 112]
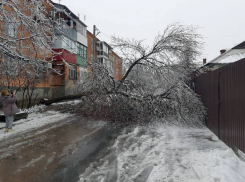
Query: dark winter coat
[9, 107]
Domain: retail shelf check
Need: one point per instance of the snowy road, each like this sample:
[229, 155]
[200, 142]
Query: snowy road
[54, 153]
[52, 146]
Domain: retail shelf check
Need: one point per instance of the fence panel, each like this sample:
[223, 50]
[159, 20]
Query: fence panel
[232, 107]
[207, 87]
[227, 87]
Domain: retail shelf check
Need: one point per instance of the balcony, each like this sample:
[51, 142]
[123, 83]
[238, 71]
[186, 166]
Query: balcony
[67, 31]
[101, 54]
[82, 39]
[65, 43]
[81, 61]
[64, 55]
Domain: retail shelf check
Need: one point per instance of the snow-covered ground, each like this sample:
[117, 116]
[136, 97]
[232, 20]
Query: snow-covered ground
[35, 119]
[72, 102]
[153, 153]
[163, 153]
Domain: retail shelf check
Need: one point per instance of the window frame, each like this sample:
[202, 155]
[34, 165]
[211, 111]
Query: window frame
[82, 51]
[72, 72]
[10, 28]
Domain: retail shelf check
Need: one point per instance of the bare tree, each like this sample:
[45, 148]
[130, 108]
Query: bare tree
[155, 83]
[27, 36]
[14, 76]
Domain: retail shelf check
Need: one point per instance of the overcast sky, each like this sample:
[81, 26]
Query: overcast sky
[221, 22]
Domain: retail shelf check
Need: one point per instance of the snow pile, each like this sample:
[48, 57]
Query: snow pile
[34, 120]
[34, 109]
[167, 153]
[37, 118]
[73, 102]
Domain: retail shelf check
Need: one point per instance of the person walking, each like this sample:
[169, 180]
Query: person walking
[9, 108]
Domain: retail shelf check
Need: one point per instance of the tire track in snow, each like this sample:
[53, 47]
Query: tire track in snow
[165, 153]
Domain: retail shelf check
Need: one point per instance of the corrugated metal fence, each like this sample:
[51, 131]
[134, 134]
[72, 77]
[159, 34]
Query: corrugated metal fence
[223, 93]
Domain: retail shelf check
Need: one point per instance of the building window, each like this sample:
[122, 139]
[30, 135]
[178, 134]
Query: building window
[83, 74]
[82, 30]
[100, 60]
[9, 65]
[82, 51]
[92, 43]
[39, 73]
[100, 53]
[85, 52]
[72, 72]
[10, 28]
[69, 45]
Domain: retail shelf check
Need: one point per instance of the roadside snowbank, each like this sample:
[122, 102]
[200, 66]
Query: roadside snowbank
[72, 102]
[34, 109]
[164, 153]
[35, 120]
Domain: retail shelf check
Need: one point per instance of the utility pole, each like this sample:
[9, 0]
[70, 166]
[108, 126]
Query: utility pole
[94, 40]
[94, 33]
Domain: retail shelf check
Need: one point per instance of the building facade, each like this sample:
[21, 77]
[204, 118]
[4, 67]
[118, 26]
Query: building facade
[105, 55]
[19, 43]
[71, 50]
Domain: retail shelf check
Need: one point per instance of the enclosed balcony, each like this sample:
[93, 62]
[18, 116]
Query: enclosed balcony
[63, 42]
[82, 34]
[81, 55]
[64, 55]
[102, 54]
[102, 50]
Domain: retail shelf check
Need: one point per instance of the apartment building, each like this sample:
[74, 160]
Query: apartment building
[105, 55]
[71, 48]
[72, 51]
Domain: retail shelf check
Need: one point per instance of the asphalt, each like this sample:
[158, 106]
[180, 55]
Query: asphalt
[58, 152]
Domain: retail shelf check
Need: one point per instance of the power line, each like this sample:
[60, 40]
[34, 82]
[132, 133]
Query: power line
[102, 36]
[106, 35]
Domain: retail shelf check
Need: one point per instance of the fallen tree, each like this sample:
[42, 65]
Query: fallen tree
[48, 102]
[155, 82]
